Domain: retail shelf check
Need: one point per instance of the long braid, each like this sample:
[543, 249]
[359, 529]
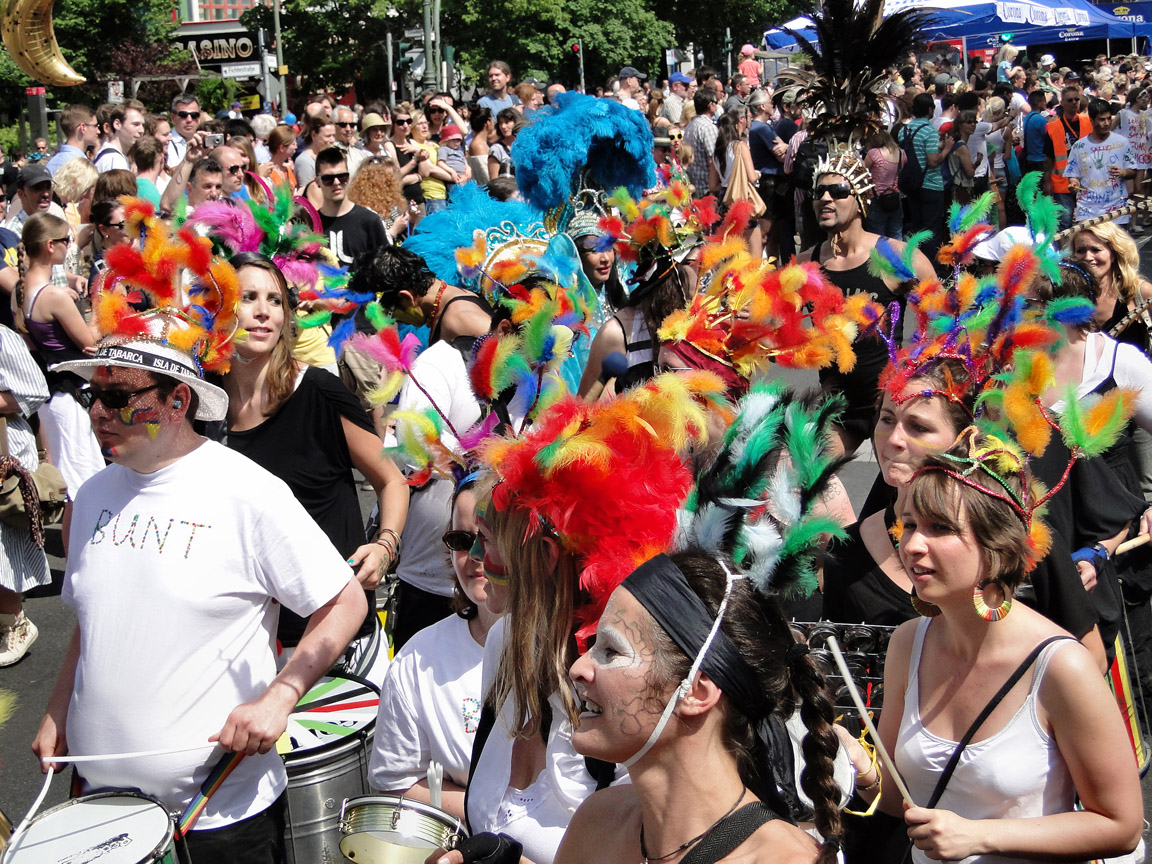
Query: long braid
[820, 748]
[18, 289]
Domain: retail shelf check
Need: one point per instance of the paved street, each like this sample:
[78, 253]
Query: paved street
[32, 679]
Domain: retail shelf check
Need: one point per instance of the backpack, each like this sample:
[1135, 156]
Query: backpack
[810, 151]
[911, 175]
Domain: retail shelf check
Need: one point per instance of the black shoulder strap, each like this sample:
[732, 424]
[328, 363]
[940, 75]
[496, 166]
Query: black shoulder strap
[483, 730]
[730, 833]
[946, 775]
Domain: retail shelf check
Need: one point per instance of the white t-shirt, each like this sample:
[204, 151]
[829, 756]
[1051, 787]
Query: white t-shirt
[1136, 126]
[539, 815]
[1133, 370]
[429, 708]
[173, 577]
[424, 562]
[978, 145]
[1089, 162]
[110, 158]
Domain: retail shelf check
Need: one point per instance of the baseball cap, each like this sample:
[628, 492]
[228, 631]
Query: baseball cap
[32, 174]
[944, 79]
[631, 72]
[748, 48]
[449, 132]
[1071, 76]
[236, 105]
[679, 78]
[1047, 60]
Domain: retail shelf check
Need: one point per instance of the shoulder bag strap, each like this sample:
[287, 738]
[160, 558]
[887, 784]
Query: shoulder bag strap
[4, 437]
[730, 833]
[946, 775]
[483, 730]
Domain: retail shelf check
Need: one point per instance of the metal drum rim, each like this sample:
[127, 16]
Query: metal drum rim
[156, 854]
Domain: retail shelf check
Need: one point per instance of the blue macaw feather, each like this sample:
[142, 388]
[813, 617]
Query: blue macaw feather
[341, 333]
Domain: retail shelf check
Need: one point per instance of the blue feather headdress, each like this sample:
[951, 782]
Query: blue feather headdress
[582, 142]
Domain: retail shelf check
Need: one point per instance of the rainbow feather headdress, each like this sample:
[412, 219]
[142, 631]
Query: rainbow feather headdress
[606, 478]
[173, 278]
[750, 314]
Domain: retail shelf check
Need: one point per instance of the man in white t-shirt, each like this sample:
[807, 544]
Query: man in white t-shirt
[1099, 166]
[120, 127]
[180, 552]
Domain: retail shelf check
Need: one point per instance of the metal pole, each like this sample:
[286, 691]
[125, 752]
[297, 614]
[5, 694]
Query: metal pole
[438, 46]
[583, 89]
[728, 54]
[428, 79]
[391, 71]
[283, 101]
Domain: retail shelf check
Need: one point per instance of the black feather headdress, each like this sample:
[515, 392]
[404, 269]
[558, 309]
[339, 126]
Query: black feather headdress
[842, 91]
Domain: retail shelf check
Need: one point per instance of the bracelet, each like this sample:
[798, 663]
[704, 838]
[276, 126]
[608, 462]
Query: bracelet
[388, 545]
[875, 784]
[395, 537]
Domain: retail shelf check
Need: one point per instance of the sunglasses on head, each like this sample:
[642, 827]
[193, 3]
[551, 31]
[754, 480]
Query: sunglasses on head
[329, 179]
[114, 400]
[459, 541]
[838, 191]
[184, 115]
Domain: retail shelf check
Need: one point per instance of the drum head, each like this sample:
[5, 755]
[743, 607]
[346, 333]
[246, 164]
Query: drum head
[335, 713]
[387, 829]
[111, 828]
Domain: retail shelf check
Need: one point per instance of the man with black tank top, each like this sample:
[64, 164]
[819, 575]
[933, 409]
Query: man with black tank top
[842, 192]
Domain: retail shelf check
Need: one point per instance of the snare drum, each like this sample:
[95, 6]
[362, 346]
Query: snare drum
[109, 827]
[392, 829]
[326, 748]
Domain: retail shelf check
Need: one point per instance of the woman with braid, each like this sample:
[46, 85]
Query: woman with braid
[699, 790]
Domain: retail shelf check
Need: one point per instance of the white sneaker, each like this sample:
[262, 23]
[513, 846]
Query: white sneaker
[16, 638]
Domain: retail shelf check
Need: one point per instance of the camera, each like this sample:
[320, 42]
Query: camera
[213, 140]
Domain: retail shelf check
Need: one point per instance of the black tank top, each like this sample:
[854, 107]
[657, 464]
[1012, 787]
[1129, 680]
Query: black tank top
[434, 336]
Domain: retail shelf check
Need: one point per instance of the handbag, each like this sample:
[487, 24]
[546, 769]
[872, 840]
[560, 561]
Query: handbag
[30, 499]
[741, 187]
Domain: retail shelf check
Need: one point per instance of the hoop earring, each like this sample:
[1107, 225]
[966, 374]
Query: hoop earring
[923, 608]
[991, 613]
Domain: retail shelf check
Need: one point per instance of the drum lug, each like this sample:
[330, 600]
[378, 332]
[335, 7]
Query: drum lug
[395, 819]
[343, 824]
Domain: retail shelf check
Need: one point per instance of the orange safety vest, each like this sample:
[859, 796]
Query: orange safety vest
[1055, 130]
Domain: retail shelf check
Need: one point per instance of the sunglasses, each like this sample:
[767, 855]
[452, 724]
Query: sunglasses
[838, 191]
[115, 400]
[235, 169]
[403, 121]
[65, 240]
[329, 179]
[459, 541]
[437, 111]
[184, 115]
[345, 125]
[676, 136]
[119, 225]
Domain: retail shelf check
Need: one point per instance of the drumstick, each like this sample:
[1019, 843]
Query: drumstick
[139, 754]
[27, 820]
[1138, 540]
[888, 763]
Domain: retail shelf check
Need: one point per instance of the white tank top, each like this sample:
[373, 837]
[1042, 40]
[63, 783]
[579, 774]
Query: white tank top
[1016, 773]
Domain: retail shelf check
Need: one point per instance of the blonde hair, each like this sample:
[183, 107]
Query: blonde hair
[994, 109]
[1125, 271]
[74, 179]
[539, 642]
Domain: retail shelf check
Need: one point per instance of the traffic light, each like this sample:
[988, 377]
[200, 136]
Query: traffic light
[576, 48]
[1006, 37]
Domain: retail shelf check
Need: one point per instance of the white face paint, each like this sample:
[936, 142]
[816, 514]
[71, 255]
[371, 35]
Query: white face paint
[612, 650]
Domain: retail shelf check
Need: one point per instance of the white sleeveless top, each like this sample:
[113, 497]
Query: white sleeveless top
[1015, 774]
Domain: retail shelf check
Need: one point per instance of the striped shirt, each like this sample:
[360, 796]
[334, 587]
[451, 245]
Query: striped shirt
[700, 135]
[924, 143]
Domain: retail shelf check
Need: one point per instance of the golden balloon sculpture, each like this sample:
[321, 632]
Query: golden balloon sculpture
[26, 26]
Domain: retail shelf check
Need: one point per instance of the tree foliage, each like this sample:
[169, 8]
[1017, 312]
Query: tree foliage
[334, 43]
[102, 40]
[704, 27]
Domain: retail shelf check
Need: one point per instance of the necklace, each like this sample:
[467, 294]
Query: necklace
[436, 305]
[648, 859]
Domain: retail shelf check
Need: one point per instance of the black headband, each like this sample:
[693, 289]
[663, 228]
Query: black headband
[660, 587]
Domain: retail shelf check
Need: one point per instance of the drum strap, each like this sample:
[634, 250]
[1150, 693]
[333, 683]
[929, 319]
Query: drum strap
[212, 782]
[724, 838]
[602, 772]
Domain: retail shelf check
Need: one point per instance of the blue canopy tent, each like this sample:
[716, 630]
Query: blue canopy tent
[983, 22]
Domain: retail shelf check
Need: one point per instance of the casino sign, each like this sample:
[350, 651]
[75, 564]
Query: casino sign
[216, 43]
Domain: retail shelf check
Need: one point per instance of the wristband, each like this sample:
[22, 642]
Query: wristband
[1096, 555]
